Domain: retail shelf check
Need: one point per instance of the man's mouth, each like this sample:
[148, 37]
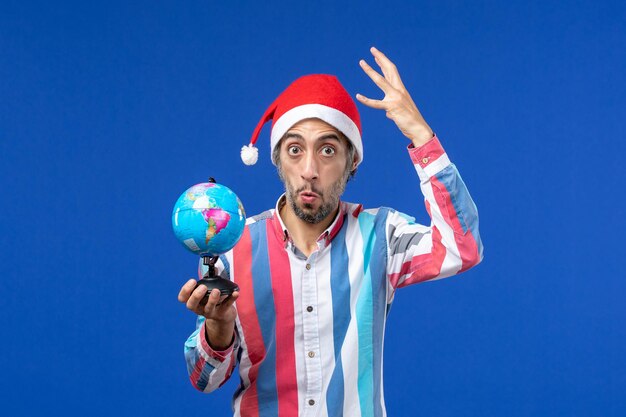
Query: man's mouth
[308, 197]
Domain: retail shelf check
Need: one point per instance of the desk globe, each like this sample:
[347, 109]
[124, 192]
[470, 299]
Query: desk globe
[208, 219]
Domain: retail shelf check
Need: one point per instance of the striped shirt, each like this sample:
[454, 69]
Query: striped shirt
[309, 331]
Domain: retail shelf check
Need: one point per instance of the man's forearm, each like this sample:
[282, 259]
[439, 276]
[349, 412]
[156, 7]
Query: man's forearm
[219, 335]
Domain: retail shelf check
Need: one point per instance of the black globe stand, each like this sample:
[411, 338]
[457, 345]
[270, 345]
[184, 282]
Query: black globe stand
[211, 280]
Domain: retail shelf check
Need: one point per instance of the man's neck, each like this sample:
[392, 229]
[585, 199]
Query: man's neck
[304, 234]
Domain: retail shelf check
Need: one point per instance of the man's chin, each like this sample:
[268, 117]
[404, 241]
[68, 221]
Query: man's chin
[308, 213]
[309, 210]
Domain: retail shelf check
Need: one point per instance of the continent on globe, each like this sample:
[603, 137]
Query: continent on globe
[208, 219]
[217, 219]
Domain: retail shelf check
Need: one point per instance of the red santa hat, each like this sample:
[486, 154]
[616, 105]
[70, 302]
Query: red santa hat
[318, 96]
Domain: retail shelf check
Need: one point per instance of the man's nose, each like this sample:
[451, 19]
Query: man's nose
[309, 167]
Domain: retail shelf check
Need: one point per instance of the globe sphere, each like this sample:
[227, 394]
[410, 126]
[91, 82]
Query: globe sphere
[208, 219]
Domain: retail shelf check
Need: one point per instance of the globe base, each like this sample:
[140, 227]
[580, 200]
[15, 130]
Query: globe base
[225, 286]
[211, 280]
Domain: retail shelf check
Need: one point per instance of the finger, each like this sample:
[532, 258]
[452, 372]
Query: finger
[380, 56]
[230, 300]
[391, 74]
[186, 290]
[195, 299]
[375, 104]
[213, 300]
[389, 69]
[388, 76]
[223, 298]
[378, 79]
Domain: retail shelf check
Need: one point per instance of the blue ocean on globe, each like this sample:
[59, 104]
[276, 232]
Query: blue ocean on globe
[208, 219]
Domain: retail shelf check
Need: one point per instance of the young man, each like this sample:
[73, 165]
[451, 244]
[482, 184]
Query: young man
[317, 275]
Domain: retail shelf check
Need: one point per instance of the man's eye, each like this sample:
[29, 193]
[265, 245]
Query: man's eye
[328, 151]
[293, 150]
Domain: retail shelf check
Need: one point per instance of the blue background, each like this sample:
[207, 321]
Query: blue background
[109, 110]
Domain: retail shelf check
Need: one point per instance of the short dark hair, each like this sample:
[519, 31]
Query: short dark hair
[349, 159]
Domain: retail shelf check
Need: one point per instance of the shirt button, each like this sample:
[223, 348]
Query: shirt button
[424, 160]
[309, 309]
[311, 402]
[308, 266]
[311, 354]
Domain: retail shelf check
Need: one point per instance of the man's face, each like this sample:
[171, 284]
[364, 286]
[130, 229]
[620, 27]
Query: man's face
[314, 168]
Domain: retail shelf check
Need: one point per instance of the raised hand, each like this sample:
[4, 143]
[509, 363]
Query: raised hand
[397, 103]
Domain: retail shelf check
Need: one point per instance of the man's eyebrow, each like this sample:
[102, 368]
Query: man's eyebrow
[290, 135]
[329, 136]
[293, 135]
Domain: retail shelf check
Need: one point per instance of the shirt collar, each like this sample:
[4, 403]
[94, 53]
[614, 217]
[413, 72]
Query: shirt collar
[323, 240]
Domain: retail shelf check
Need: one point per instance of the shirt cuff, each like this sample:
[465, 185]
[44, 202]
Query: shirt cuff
[218, 355]
[428, 159]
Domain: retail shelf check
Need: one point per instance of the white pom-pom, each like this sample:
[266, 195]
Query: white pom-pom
[249, 154]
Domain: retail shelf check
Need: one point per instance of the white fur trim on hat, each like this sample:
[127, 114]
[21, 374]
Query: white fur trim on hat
[332, 116]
